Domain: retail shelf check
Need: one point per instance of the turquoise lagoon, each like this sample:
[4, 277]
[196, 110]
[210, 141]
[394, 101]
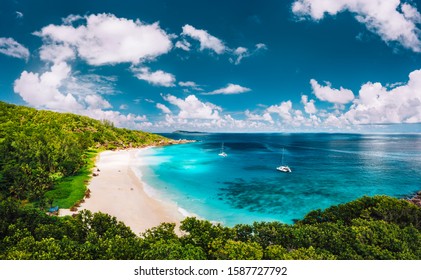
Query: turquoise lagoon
[327, 169]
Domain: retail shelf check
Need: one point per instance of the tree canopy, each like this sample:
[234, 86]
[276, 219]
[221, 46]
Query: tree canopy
[38, 147]
[28, 233]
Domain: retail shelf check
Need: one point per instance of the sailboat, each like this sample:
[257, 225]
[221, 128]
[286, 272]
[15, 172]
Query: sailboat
[222, 153]
[282, 167]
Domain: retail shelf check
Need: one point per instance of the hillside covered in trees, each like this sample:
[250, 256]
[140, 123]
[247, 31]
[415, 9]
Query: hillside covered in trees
[40, 149]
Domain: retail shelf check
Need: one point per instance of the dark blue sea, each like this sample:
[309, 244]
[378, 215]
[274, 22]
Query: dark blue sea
[327, 169]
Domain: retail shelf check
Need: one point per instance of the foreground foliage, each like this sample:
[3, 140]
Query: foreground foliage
[368, 228]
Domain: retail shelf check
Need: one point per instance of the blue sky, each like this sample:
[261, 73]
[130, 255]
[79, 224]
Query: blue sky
[299, 65]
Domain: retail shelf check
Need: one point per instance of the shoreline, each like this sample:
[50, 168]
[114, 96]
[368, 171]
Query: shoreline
[116, 190]
[415, 199]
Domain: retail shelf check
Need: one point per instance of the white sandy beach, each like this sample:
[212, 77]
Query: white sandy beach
[119, 192]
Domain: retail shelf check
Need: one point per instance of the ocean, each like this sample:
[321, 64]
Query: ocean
[327, 169]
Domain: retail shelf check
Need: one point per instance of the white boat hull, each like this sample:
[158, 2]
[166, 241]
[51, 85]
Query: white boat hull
[283, 168]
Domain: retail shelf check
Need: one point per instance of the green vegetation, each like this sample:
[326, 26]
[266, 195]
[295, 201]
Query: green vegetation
[380, 228]
[69, 190]
[48, 156]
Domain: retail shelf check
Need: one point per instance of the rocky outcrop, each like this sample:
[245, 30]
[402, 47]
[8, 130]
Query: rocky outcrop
[416, 199]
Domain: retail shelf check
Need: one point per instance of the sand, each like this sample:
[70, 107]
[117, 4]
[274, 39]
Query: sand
[118, 192]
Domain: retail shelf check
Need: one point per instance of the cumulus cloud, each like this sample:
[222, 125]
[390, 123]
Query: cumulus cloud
[291, 118]
[309, 106]
[375, 104]
[96, 102]
[332, 95]
[157, 78]
[60, 90]
[10, 47]
[184, 45]
[107, 39]
[256, 117]
[56, 53]
[119, 119]
[230, 89]
[206, 40]
[43, 91]
[378, 104]
[192, 108]
[284, 110]
[163, 108]
[392, 20]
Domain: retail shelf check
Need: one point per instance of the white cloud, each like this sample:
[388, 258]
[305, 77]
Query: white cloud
[187, 84]
[411, 13]
[10, 47]
[210, 42]
[190, 84]
[129, 120]
[56, 53]
[43, 91]
[184, 45]
[284, 110]
[332, 95]
[240, 52]
[375, 104]
[96, 102]
[90, 84]
[163, 108]
[261, 46]
[295, 119]
[256, 117]
[57, 89]
[206, 40]
[157, 78]
[192, 108]
[378, 104]
[106, 39]
[392, 20]
[123, 107]
[309, 106]
[230, 89]
[70, 19]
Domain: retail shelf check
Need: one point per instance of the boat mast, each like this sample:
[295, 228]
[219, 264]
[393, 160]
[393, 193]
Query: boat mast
[283, 149]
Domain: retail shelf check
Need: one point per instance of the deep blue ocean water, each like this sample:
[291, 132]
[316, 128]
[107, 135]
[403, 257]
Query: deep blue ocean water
[327, 169]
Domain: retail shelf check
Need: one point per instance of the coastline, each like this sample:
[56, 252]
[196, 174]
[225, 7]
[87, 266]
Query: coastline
[415, 199]
[119, 192]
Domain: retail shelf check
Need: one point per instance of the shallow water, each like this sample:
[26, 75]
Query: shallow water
[327, 169]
